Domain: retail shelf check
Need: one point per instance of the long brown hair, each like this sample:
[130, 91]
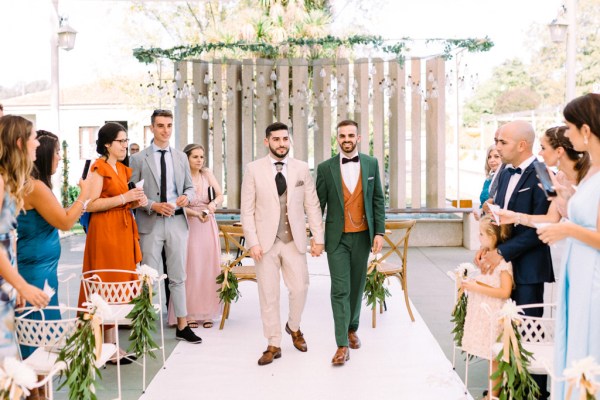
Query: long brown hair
[15, 164]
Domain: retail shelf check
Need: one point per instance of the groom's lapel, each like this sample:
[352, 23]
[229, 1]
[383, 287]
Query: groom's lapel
[336, 174]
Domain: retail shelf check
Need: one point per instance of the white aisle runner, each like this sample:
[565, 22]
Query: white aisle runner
[399, 359]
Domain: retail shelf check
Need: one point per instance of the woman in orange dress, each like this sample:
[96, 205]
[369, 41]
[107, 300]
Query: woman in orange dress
[112, 238]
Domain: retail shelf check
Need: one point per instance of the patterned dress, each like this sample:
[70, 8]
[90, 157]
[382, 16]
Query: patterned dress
[477, 339]
[8, 224]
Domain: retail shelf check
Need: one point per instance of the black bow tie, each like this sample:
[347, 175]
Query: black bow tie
[347, 160]
[513, 171]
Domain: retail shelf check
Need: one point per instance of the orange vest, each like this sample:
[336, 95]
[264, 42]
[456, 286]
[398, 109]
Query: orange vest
[354, 208]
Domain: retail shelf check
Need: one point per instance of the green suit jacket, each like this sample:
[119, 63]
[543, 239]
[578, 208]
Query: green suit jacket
[331, 197]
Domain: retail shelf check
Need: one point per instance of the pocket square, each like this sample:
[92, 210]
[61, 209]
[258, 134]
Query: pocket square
[370, 178]
[299, 183]
[524, 190]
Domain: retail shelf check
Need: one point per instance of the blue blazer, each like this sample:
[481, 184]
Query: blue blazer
[529, 256]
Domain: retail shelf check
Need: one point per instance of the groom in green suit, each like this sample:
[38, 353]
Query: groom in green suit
[349, 187]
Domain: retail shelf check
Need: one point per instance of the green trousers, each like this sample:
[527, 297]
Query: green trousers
[348, 269]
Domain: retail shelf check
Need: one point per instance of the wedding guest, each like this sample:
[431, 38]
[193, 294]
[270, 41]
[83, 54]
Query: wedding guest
[38, 245]
[163, 224]
[134, 148]
[577, 320]
[112, 240]
[519, 191]
[349, 187]
[491, 289]
[492, 162]
[573, 165]
[204, 245]
[18, 143]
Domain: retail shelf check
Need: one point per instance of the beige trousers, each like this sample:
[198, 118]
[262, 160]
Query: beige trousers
[292, 264]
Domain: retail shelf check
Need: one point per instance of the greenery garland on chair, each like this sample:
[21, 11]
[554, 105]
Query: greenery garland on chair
[375, 292]
[228, 292]
[516, 382]
[83, 349]
[143, 316]
[459, 312]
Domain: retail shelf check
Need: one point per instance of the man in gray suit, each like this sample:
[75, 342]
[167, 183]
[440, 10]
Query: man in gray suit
[162, 222]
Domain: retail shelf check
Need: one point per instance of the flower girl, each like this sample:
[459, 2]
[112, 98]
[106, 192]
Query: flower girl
[492, 289]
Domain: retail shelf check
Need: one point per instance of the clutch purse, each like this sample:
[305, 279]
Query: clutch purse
[211, 194]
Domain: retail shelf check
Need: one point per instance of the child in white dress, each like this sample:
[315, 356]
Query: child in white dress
[492, 289]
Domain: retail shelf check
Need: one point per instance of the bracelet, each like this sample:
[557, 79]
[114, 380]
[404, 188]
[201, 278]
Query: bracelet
[83, 205]
[122, 198]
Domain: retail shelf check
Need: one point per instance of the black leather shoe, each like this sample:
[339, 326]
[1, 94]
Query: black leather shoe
[187, 335]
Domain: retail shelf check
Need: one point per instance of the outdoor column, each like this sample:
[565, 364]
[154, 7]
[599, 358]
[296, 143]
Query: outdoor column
[415, 127]
[322, 107]
[342, 75]
[263, 110]
[233, 138]
[397, 145]
[180, 120]
[200, 125]
[361, 108]
[300, 108]
[217, 120]
[436, 134]
[247, 112]
[378, 86]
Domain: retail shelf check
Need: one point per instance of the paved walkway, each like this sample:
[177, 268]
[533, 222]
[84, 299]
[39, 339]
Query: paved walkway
[430, 290]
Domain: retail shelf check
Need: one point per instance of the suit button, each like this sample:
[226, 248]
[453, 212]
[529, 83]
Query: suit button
[158, 194]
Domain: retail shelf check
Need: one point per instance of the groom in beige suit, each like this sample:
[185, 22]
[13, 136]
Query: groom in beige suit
[277, 193]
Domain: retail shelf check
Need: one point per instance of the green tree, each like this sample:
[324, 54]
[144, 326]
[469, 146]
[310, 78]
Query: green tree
[510, 76]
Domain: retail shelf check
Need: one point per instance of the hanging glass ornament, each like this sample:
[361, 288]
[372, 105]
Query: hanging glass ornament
[238, 87]
[430, 76]
[204, 114]
[261, 79]
[322, 73]
[206, 78]
[316, 127]
[279, 85]
[321, 97]
[177, 75]
[273, 76]
[425, 105]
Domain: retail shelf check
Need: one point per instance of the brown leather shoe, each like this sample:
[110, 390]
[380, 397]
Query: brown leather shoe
[269, 354]
[353, 340]
[297, 338]
[342, 354]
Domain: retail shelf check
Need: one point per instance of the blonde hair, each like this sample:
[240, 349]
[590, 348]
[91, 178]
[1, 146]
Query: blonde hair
[487, 159]
[499, 233]
[15, 164]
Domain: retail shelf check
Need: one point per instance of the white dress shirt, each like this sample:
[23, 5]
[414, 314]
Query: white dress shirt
[283, 170]
[350, 171]
[514, 179]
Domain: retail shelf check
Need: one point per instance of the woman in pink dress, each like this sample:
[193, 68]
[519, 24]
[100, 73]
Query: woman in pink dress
[204, 245]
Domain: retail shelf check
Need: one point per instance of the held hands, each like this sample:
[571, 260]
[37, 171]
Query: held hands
[256, 252]
[377, 244]
[143, 202]
[315, 249]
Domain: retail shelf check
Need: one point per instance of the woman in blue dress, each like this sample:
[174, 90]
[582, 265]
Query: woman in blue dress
[577, 333]
[492, 162]
[17, 151]
[38, 247]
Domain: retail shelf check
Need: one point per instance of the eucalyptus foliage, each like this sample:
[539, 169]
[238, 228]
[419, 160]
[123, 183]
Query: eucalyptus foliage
[143, 318]
[228, 293]
[375, 292]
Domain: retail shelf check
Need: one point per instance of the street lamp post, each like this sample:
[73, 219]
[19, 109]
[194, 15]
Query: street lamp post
[564, 27]
[63, 38]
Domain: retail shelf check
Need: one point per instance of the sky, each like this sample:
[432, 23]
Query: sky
[103, 46]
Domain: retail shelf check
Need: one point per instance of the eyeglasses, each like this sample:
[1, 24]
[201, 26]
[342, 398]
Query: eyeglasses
[122, 141]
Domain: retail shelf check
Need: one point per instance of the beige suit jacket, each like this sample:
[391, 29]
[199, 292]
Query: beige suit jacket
[260, 204]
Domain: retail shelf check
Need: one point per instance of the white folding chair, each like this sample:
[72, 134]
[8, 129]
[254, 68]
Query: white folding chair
[50, 336]
[537, 337]
[124, 286]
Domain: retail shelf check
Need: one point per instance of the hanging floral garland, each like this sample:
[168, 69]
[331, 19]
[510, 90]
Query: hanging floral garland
[375, 292]
[459, 312]
[314, 46]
